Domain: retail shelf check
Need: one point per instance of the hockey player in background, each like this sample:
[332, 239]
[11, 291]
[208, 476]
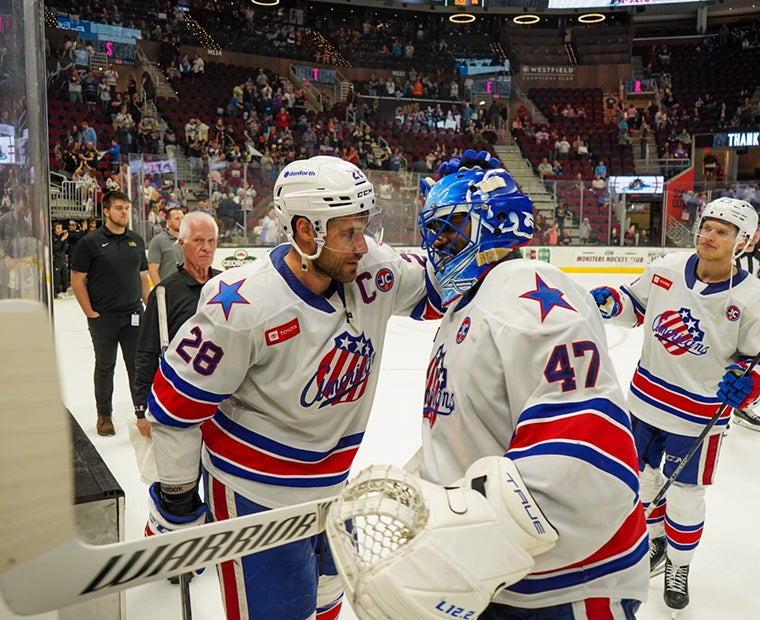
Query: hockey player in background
[521, 401]
[749, 259]
[750, 262]
[268, 387]
[700, 315]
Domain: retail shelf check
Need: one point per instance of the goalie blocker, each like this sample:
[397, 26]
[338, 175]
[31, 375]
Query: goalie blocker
[408, 548]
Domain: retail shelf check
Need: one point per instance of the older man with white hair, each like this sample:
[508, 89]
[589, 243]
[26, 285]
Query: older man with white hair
[198, 234]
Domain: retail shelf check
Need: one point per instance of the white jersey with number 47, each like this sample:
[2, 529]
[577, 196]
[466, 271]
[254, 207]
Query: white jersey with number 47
[521, 369]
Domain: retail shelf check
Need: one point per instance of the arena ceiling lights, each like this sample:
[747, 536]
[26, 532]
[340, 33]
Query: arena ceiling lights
[526, 20]
[462, 18]
[266, 2]
[591, 18]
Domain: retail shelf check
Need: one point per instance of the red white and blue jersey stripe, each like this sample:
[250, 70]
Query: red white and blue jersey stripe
[521, 369]
[272, 384]
[692, 331]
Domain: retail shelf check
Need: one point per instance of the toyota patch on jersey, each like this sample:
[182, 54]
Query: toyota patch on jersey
[281, 333]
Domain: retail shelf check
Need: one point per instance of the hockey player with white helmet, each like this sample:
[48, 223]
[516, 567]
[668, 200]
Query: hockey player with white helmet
[267, 389]
[528, 497]
[701, 321]
[749, 260]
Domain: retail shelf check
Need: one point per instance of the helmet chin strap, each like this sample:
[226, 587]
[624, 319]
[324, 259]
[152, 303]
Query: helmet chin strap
[304, 256]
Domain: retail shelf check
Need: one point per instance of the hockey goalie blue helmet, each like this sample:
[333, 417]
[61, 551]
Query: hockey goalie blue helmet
[471, 219]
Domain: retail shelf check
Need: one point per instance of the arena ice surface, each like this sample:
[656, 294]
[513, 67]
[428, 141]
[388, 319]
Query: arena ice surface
[724, 575]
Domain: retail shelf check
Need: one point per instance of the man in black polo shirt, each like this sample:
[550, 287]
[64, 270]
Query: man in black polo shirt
[198, 233]
[109, 277]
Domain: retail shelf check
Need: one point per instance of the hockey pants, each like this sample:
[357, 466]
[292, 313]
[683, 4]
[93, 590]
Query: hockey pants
[680, 515]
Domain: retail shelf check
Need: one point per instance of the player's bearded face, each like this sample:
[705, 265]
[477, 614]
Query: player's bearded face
[344, 246]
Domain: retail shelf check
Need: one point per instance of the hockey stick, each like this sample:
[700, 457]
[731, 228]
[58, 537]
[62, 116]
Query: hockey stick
[184, 588]
[74, 571]
[163, 333]
[38, 539]
[163, 321]
[695, 446]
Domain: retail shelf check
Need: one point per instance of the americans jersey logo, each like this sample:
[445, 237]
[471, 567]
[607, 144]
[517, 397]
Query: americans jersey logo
[438, 399]
[342, 374]
[679, 332]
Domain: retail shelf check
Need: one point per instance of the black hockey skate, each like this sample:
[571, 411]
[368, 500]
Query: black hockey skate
[676, 585]
[747, 419]
[657, 554]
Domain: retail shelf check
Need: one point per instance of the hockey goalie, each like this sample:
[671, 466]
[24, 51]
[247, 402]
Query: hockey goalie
[527, 493]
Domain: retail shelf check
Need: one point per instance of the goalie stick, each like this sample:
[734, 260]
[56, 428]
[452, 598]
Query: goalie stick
[695, 446]
[74, 571]
[38, 540]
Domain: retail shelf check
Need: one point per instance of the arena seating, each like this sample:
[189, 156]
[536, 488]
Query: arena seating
[600, 137]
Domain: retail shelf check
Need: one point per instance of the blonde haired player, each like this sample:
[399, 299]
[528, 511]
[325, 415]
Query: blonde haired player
[701, 321]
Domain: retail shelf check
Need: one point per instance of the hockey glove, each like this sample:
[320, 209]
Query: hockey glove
[389, 528]
[499, 481]
[738, 390]
[169, 512]
[608, 301]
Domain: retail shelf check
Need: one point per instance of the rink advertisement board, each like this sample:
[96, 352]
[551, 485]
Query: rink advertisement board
[598, 259]
[572, 259]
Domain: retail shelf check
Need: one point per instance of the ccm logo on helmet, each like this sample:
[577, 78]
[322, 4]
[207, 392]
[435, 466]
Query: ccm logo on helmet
[363, 192]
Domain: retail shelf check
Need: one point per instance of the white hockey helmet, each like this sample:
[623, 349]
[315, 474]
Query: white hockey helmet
[319, 189]
[740, 213]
